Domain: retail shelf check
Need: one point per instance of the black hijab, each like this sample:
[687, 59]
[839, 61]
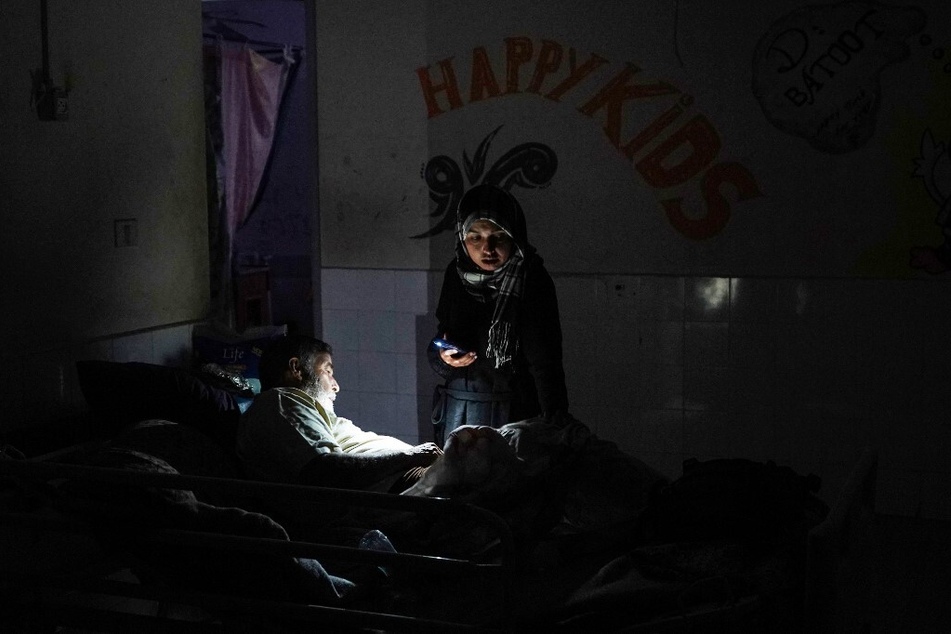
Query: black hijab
[506, 284]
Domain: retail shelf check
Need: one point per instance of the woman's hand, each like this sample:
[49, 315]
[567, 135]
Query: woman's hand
[455, 358]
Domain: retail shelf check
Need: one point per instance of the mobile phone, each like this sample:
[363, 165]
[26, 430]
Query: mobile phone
[445, 345]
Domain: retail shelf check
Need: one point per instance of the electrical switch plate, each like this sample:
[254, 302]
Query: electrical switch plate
[60, 105]
[127, 232]
[52, 104]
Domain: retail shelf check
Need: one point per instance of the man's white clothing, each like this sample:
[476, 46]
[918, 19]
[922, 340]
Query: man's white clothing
[286, 427]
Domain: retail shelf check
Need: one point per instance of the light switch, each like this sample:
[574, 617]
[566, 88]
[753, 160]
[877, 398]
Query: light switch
[127, 232]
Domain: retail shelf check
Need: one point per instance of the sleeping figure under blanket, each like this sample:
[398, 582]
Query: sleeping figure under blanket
[541, 478]
[599, 528]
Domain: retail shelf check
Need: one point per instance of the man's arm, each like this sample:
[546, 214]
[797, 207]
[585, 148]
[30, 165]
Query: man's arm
[360, 471]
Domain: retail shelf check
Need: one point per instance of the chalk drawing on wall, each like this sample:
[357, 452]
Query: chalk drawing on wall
[816, 71]
[675, 147]
[933, 167]
[529, 165]
[916, 133]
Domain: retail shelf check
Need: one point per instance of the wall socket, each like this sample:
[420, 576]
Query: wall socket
[126, 232]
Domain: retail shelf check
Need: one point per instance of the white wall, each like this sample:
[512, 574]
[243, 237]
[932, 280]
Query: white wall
[372, 140]
[377, 322]
[132, 147]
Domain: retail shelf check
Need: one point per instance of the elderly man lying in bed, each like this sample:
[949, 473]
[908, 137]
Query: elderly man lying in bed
[291, 433]
[536, 474]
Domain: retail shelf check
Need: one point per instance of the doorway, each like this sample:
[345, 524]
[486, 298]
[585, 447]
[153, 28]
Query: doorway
[278, 242]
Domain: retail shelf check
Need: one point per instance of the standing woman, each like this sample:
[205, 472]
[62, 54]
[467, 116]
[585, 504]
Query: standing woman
[498, 310]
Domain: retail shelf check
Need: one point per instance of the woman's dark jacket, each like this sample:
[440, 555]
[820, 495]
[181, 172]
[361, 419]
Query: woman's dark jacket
[532, 384]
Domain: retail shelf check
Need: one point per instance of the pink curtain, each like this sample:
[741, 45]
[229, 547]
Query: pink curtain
[251, 90]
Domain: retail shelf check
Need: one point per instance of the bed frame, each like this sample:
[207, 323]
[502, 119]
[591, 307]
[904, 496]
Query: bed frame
[837, 553]
[106, 598]
[834, 594]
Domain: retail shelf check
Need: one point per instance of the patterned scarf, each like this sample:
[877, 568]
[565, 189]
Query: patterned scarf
[505, 285]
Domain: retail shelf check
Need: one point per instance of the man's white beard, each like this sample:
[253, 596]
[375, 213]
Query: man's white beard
[322, 396]
[326, 399]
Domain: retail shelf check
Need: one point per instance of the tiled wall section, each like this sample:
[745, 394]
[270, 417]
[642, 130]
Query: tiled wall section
[43, 386]
[377, 323]
[802, 372]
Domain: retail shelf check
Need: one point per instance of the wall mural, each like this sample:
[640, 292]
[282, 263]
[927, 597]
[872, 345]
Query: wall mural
[788, 139]
[816, 71]
[817, 76]
[526, 165]
[687, 147]
[933, 167]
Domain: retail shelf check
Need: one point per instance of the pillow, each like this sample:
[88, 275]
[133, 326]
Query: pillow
[119, 394]
[234, 354]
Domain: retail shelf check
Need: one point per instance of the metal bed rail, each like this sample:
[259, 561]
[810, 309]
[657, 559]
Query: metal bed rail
[34, 590]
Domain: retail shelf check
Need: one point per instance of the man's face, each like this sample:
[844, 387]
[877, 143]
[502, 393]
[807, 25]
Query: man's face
[319, 381]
